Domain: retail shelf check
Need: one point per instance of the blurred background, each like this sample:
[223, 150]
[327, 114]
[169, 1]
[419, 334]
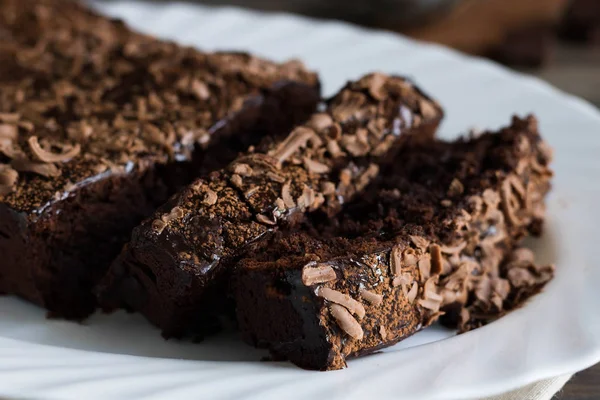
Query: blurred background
[557, 40]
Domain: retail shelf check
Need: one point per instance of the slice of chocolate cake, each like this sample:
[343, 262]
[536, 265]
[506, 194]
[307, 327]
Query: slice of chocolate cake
[99, 125]
[427, 240]
[174, 269]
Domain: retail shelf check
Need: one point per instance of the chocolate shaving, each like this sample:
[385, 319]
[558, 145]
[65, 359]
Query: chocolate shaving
[354, 146]
[286, 196]
[521, 256]
[8, 132]
[424, 265]
[501, 288]
[11, 118]
[319, 273]
[159, 226]
[375, 83]
[409, 257]
[237, 180]
[44, 169]
[362, 135]
[10, 149]
[346, 321]
[420, 242]
[342, 299]
[476, 205]
[509, 203]
[315, 166]
[49, 157]
[327, 188]
[296, 140]
[350, 108]
[453, 249]
[176, 213]
[436, 259]
[431, 302]
[396, 260]
[243, 170]
[373, 298]
[200, 90]
[427, 109]
[382, 332]
[306, 199]
[412, 293]
[210, 197]
[483, 290]
[8, 179]
[491, 199]
[275, 177]
[402, 280]
[334, 149]
[280, 204]
[346, 177]
[320, 122]
[265, 220]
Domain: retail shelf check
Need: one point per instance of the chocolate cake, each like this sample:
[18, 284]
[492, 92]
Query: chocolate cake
[174, 269]
[426, 240]
[99, 125]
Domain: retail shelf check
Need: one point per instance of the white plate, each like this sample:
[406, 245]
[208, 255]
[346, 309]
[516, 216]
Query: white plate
[121, 356]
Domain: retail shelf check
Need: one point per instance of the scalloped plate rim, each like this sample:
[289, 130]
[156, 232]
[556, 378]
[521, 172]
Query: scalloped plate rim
[488, 73]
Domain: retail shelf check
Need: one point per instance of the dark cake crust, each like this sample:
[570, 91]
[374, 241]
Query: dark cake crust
[174, 269]
[99, 125]
[427, 241]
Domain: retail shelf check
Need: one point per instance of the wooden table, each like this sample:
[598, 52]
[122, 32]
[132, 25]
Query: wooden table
[584, 386]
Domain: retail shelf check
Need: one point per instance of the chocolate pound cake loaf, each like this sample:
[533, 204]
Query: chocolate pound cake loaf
[174, 269]
[426, 241]
[99, 125]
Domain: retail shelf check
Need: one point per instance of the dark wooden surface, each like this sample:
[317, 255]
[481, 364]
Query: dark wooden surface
[583, 386]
